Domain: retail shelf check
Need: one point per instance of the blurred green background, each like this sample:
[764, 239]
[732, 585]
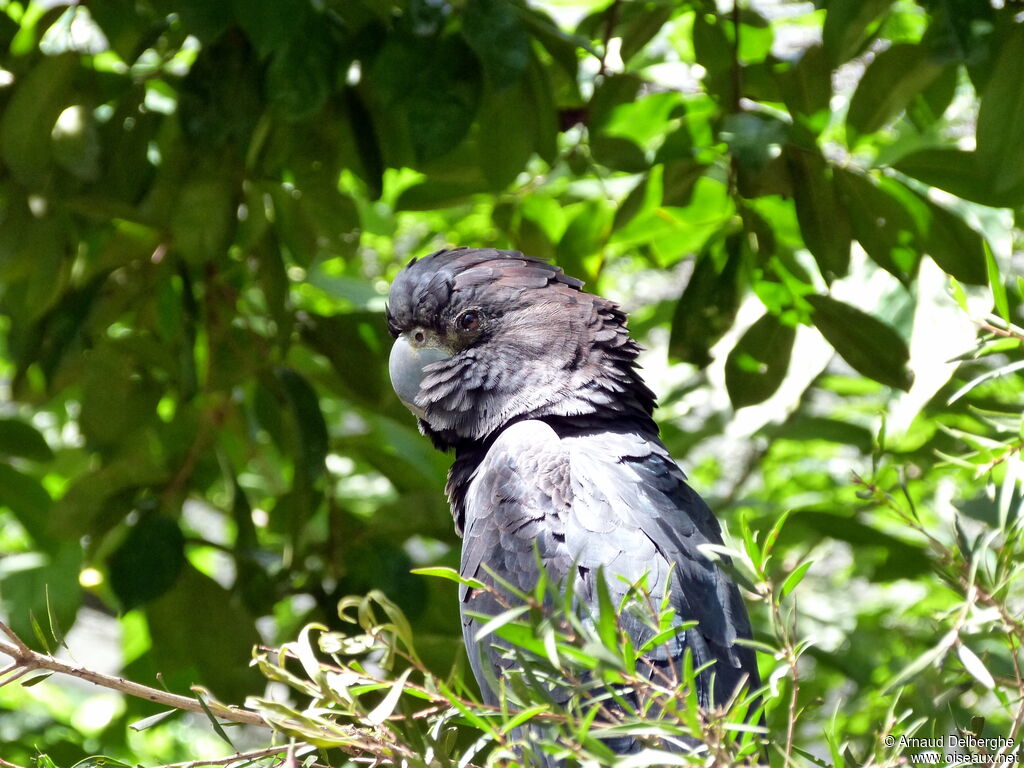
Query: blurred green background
[809, 210]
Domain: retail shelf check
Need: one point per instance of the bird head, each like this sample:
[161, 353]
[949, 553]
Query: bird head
[486, 337]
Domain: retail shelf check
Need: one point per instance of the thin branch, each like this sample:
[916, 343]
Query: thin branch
[237, 757]
[28, 660]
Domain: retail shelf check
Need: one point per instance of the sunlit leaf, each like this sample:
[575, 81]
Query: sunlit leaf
[870, 346]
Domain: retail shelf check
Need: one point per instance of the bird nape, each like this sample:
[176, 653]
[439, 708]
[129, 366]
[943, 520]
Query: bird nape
[558, 465]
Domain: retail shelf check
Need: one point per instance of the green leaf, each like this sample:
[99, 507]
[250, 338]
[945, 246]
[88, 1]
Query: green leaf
[954, 245]
[965, 174]
[499, 621]
[709, 302]
[887, 219]
[449, 574]
[638, 23]
[432, 88]
[807, 89]
[48, 588]
[888, 85]
[204, 19]
[270, 25]
[383, 711]
[995, 282]
[496, 32]
[28, 500]
[975, 666]
[20, 439]
[299, 78]
[607, 616]
[794, 578]
[1001, 115]
[758, 363]
[618, 154]
[29, 116]
[203, 218]
[824, 221]
[714, 51]
[118, 396]
[502, 125]
[148, 561]
[584, 237]
[149, 722]
[217, 660]
[354, 343]
[849, 24]
[870, 346]
[311, 451]
[930, 658]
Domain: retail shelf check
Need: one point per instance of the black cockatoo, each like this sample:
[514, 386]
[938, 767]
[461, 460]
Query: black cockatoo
[533, 382]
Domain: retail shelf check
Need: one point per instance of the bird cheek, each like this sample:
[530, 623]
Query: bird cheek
[406, 366]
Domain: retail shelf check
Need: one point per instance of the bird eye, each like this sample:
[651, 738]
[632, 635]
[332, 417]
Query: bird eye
[468, 320]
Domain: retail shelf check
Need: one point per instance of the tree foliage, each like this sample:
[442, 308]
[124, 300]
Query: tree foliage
[810, 210]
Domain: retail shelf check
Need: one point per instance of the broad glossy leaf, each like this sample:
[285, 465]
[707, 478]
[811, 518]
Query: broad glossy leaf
[29, 116]
[496, 32]
[269, 24]
[931, 104]
[954, 245]
[19, 438]
[714, 51]
[204, 19]
[30, 503]
[639, 22]
[895, 558]
[368, 151]
[848, 26]
[807, 88]
[541, 111]
[585, 236]
[301, 75]
[824, 221]
[355, 343]
[561, 45]
[432, 87]
[431, 195]
[311, 430]
[147, 563]
[506, 139]
[709, 302]
[888, 85]
[31, 596]
[618, 154]
[221, 98]
[76, 143]
[218, 660]
[887, 220]
[1001, 119]
[964, 174]
[758, 363]
[870, 346]
[118, 397]
[204, 218]
[614, 91]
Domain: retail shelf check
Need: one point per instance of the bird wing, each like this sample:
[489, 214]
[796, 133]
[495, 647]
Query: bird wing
[515, 511]
[593, 502]
[634, 515]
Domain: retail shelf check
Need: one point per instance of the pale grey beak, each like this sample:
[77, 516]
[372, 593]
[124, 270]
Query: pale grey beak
[406, 366]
